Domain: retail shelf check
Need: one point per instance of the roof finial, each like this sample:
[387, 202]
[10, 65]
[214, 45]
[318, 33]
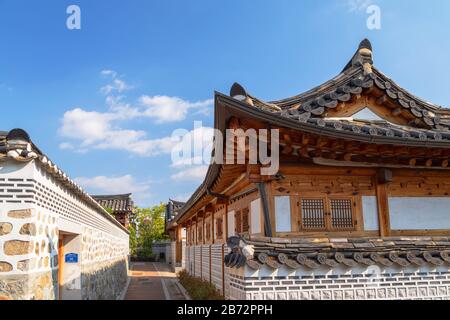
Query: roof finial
[362, 57]
[239, 93]
[365, 44]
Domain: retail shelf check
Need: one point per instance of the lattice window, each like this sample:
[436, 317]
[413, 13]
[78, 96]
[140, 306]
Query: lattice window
[341, 213]
[313, 214]
[245, 222]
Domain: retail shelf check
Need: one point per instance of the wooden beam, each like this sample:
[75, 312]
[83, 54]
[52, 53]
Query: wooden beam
[268, 214]
[396, 112]
[381, 100]
[383, 207]
[288, 141]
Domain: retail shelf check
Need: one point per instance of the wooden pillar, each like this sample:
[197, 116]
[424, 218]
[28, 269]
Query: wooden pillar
[213, 227]
[179, 245]
[384, 176]
[196, 230]
[268, 214]
[265, 192]
[225, 221]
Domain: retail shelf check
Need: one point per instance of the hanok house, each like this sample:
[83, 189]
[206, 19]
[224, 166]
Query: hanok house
[121, 206]
[175, 250]
[359, 209]
[56, 242]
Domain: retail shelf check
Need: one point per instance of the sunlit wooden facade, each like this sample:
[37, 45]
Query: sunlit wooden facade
[350, 194]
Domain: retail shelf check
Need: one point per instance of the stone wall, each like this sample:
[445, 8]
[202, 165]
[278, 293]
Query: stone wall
[34, 210]
[105, 281]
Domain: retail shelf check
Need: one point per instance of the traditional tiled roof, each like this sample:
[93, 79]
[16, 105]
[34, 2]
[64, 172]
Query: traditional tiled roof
[419, 123]
[316, 253]
[17, 145]
[177, 205]
[118, 203]
[430, 122]
[172, 209]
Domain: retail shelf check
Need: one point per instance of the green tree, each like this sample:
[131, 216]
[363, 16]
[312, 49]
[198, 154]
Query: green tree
[150, 228]
[133, 239]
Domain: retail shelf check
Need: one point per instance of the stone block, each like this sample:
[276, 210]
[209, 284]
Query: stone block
[281, 296]
[371, 294]
[326, 295]
[20, 214]
[5, 266]
[5, 228]
[28, 229]
[349, 295]
[16, 247]
[338, 295]
[315, 295]
[304, 295]
[293, 295]
[412, 292]
[423, 292]
[257, 296]
[26, 265]
[381, 293]
[270, 296]
[391, 293]
[360, 294]
[432, 291]
[402, 293]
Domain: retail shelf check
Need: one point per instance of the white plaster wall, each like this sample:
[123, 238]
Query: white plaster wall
[419, 213]
[231, 223]
[255, 210]
[54, 208]
[283, 214]
[370, 213]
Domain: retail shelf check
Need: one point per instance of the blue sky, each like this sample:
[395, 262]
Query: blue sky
[103, 101]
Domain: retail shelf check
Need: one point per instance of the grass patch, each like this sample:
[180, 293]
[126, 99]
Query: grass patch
[199, 289]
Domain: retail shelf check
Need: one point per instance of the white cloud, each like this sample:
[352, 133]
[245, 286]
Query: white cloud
[110, 73]
[171, 109]
[358, 5]
[113, 185]
[117, 85]
[95, 130]
[193, 148]
[66, 146]
[102, 130]
[192, 174]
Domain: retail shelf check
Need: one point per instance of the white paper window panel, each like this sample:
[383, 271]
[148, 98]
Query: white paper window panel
[283, 214]
[419, 213]
[370, 213]
[255, 209]
[231, 224]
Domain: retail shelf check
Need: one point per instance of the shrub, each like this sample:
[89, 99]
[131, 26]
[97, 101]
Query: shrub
[199, 289]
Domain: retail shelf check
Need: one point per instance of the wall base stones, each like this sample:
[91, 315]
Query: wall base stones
[35, 286]
[104, 281]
